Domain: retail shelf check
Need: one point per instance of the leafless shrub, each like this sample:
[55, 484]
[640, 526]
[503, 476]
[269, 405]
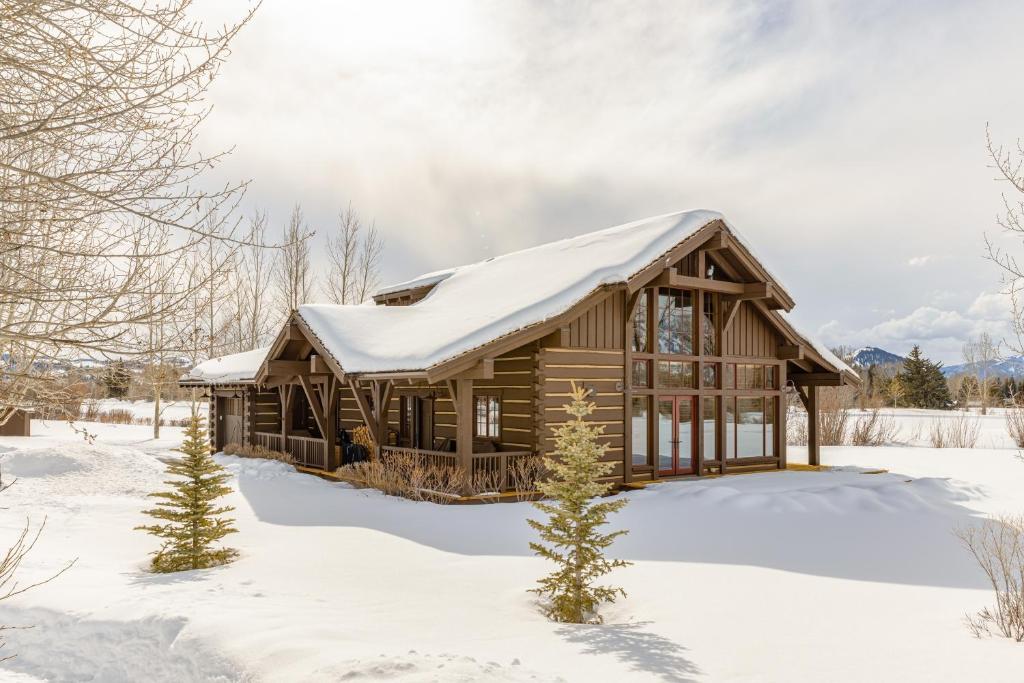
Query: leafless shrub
[486, 484]
[524, 473]
[407, 476]
[873, 428]
[834, 415]
[915, 434]
[796, 426]
[257, 451]
[410, 476]
[961, 431]
[1015, 423]
[361, 436]
[998, 546]
[11, 562]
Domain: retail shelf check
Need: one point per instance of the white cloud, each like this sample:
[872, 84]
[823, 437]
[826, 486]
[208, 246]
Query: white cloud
[991, 306]
[838, 140]
[941, 332]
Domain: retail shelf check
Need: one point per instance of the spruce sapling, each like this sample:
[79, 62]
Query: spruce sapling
[571, 536]
[192, 521]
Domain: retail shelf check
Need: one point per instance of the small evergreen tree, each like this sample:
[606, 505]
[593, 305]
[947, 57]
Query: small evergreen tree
[116, 379]
[924, 383]
[570, 534]
[192, 522]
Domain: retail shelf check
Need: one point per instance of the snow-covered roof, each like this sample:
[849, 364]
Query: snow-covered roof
[475, 304]
[425, 280]
[233, 368]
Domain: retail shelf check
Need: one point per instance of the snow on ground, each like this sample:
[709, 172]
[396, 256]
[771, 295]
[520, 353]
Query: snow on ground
[143, 409]
[782, 576]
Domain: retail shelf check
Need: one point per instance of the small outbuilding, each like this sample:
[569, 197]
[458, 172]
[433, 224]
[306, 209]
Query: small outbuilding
[18, 424]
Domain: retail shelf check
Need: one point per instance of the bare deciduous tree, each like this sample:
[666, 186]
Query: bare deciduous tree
[100, 104]
[979, 356]
[292, 268]
[252, 293]
[354, 260]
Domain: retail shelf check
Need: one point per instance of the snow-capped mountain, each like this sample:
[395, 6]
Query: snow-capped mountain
[1007, 367]
[872, 355]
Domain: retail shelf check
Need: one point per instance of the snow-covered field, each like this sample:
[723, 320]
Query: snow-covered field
[172, 410]
[783, 576]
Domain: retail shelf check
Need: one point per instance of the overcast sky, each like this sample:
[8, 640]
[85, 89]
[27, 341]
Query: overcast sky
[845, 139]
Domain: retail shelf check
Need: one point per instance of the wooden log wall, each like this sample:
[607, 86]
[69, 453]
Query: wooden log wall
[266, 411]
[602, 371]
[513, 382]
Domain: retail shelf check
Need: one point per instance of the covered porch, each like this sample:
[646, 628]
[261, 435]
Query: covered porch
[307, 409]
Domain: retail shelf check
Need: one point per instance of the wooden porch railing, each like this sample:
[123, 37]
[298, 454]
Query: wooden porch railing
[432, 458]
[271, 442]
[495, 470]
[308, 451]
[489, 471]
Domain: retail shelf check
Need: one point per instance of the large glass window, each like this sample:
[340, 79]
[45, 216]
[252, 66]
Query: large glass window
[640, 326]
[488, 416]
[750, 377]
[769, 427]
[730, 377]
[665, 434]
[730, 428]
[709, 417]
[642, 373]
[709, 328]
[709, 376]
[675, 321]
[750, 427]
[675, 374]
[641, 415]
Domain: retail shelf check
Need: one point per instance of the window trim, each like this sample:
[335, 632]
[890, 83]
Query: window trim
[496, 399]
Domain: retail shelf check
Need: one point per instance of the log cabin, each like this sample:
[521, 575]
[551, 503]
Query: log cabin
[678, 331]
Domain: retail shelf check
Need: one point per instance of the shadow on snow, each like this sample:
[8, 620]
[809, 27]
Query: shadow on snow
[844, 524]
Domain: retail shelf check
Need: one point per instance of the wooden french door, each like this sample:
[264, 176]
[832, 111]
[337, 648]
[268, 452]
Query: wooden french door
[677, 439]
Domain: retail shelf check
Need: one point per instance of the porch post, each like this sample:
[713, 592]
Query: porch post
[463, 401]
[285, 393]
[330, 401]
[813, 438]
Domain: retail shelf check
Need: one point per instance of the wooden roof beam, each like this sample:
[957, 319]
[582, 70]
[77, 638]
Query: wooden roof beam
[817, 379]
[790, 352]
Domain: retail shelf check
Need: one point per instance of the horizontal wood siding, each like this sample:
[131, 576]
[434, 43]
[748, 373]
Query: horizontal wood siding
[513, 383]
[750, 334]
[266, 411]
[600, 370]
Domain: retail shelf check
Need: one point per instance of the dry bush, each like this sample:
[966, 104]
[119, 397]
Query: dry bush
[121, 416]
[1015, 423]
[361, 436]
[410, 476]
[961, 431]
[524, 473]
[90, 412]
[796, 426]
[915, 434]
[873, 428]
[998, 546]
[834, 415]
[257, 451]
[407, 476]
[486, 484]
